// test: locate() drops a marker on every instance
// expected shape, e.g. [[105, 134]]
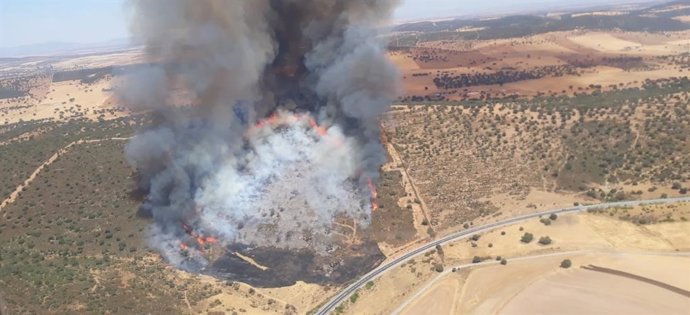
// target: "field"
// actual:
[[472, 279], [497, 118], [473, 161]]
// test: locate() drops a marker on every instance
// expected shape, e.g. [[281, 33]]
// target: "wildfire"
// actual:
[[201, 240], [270, 121], [321, 131], [291, 118]]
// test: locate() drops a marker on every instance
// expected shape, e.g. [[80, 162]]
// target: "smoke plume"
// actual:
[[265, 127]]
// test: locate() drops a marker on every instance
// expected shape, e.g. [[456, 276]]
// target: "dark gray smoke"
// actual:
[[220, 166]]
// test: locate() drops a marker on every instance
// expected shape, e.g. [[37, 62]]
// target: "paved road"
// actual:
[[344, 294]]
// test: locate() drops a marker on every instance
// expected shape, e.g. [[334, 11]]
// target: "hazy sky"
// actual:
[[25, 22]]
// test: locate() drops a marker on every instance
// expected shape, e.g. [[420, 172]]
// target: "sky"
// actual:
[[27, 22]]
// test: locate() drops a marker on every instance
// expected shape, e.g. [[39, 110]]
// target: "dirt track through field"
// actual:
[[660, 284], [13, 196]]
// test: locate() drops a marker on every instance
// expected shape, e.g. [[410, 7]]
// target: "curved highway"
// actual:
[[344, 294]]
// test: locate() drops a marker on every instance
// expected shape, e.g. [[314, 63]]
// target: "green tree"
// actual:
[[354, 297], [438, 267], [527, 237], [545, 240]]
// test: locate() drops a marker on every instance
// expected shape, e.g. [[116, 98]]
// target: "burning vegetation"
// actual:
[[281, 138]]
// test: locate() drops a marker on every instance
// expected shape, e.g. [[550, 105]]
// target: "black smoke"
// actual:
[[220, 66]]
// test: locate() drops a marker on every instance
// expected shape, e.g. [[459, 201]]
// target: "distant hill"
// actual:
[[658, 18], [62, 48]]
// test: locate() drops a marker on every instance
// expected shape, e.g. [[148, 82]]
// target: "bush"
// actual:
[[476, 259], [545, 240], [566, 263], [527, 237], [438, 267], [504, 261], [354, 297], [553, 217], [545, 221]]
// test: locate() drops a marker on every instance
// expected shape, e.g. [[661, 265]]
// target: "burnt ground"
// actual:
[[285, 267], [390, 224]]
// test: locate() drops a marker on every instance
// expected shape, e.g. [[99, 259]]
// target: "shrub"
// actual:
[[566, 263], [354, 297], [553, 217], [438, 267], [527, 237], [476, 259], [504, 261], [545, 240]]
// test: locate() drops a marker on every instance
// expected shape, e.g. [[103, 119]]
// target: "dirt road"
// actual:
[[13, 196]]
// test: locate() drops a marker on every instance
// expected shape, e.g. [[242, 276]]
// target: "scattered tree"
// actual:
[[527, 237], [438, 267], [545, 240]]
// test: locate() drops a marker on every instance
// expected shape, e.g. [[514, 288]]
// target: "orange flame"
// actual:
[[270, 121], [319, 130], [201, 240]]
